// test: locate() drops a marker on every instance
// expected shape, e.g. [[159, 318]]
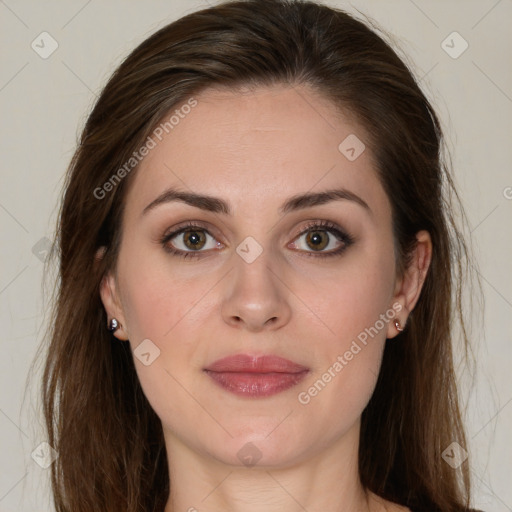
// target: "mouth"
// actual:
[[251, 376]]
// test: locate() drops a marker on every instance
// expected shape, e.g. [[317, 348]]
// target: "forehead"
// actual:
[[255, 148]]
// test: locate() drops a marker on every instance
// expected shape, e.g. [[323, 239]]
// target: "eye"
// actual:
[[189, 240], [325, 238], [316, 236]]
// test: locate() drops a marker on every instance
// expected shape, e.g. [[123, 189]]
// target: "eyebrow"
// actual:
[[294, 203]]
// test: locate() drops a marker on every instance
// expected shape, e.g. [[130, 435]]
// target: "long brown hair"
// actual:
[[109, 440]]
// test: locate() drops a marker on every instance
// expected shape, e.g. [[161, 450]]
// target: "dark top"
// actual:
[[424, 510]]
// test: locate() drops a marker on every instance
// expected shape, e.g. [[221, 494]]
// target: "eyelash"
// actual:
[[312, 226]]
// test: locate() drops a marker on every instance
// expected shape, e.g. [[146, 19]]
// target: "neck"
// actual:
[[325, 480]]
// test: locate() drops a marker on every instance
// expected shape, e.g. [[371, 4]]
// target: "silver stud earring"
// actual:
[[113, 325], [398, 327]]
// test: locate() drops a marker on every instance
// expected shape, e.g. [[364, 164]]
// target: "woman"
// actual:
[[257, 262]]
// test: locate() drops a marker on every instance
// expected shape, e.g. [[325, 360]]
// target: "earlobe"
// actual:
[[112, 305], [411, 283], [397, 325], [100, 253]]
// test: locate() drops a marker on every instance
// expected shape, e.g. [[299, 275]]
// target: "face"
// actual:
[[314, 283]]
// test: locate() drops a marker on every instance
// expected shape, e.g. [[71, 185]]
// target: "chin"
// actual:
[[258, 450]]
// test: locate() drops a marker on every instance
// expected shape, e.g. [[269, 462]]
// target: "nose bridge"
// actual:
[[256, 296]]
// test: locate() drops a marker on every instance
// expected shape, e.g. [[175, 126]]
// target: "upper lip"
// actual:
[[255, 364]]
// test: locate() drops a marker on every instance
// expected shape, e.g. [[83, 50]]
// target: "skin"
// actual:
[[255, 149]]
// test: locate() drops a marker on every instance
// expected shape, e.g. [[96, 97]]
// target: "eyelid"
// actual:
[[321, 224], [186, 225]]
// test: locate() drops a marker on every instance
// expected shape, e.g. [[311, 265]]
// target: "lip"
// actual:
[[255, 364], [256, 376]]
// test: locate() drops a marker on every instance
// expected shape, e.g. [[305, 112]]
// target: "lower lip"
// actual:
[[256, 384]]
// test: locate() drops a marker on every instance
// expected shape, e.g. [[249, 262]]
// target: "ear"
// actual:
[[111, 302], [408, 287]]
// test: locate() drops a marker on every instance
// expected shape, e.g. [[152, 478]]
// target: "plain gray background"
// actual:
[[45, 101]]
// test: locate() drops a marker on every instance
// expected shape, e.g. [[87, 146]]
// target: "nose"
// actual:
[[256, 296]]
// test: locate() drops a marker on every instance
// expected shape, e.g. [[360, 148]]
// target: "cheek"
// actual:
[[355, 308], [155, 296], [352, 297], [358, 333], [155, 306], [166, 309]]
